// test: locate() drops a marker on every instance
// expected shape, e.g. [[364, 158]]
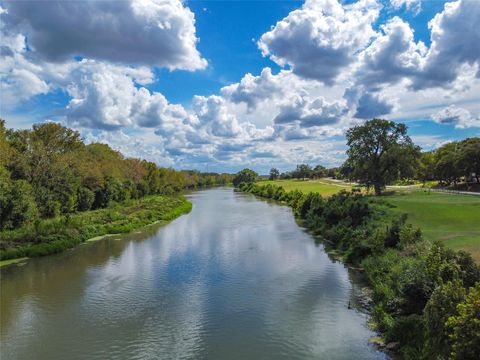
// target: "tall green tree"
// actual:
[[426, 167], [245, 176], [469, 157], [303, 171], [319, 171], [380, 152], [446, 163], [274, 174]]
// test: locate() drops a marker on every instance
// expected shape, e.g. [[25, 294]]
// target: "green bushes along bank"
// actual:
[[426, 297], [48, 236]]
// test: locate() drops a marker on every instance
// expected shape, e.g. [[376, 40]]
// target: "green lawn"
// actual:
[[323, 186], [454, 219]]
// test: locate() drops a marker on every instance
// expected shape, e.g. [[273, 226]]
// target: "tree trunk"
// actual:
[[378, 189]]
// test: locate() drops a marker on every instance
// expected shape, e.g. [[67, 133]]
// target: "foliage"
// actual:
[[274, 174], [48, 171], [48, 177], [457, 159], [17, 203], [379, 152], [416, 285], [465, 327], [48, 236], [441, 305], [245, 176]]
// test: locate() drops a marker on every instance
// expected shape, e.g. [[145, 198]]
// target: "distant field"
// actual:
[[452, 218], [323, 186]]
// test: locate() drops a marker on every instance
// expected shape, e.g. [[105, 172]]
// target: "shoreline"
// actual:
[[393, 257], [363, 301], [56, 246]]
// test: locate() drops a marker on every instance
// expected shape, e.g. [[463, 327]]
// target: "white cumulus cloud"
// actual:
[[457, 116], [322, 38], [135, 32]]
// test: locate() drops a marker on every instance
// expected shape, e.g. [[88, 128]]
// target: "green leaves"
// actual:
[[245, 176], [380, 152]]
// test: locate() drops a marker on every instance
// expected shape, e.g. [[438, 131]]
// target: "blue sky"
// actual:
[[221, 85]]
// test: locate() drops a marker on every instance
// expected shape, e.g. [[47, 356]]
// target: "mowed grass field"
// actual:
[[325, 187], [451, 218]]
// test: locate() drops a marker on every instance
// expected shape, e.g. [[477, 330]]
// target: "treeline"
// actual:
[[381, 153], [451, 163], [426, 297], [49, 171], [304, 171]]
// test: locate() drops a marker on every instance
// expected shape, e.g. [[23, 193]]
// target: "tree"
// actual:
[[319, 171], [469, 157], [441, 305], [303, 171], [274, 174], [446, 163], [380, 151], [245, 176], [17, 204], [465, 327], [426, 167]]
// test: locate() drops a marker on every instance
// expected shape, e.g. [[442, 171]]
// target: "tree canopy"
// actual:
[[379, 152], [48, 170], [244, 176]]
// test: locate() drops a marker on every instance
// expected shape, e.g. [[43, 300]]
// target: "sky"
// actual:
[[223, 85]]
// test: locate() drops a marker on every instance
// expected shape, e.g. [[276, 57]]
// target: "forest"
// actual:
[[48, 176]]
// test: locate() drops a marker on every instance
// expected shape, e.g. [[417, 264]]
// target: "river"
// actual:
[[236, 278]]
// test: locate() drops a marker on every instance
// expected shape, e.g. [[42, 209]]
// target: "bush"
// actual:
[[85, 199], [49, 236], [465, 327]]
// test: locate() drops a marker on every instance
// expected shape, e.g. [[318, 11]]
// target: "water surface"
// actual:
[[236, 278]]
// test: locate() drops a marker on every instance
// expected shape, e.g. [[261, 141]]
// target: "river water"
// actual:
[[236, 278]]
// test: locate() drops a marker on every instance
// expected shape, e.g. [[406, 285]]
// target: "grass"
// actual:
[[49, 236], [323, 186], [451, 218]]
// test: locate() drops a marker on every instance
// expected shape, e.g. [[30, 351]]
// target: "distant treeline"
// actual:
[[381, 153], [426, 297], [49, 171], [450, 164], [305, 171]]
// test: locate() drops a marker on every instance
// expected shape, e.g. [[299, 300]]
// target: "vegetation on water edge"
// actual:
[[48, 171], [49, 236], [56, 191], [426, 296], [449, 218]]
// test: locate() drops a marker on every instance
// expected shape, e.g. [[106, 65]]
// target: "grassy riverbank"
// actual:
[[48, 236], [449, 218], [420, 288], [324, 187]]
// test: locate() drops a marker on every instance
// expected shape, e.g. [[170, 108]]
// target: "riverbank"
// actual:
[[412, 279], [49, 236], [449, 217]]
